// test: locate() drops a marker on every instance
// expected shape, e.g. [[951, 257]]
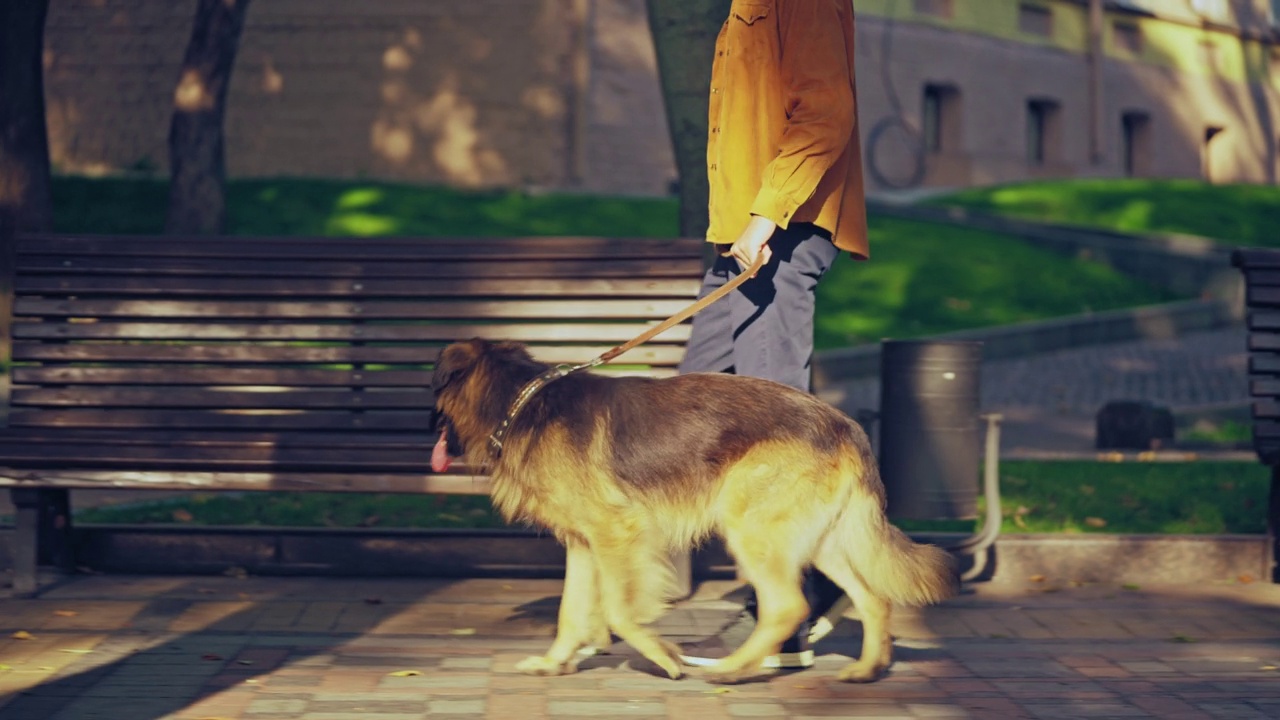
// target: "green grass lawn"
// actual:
[[1039, 497], [923, 279], [1234, 214]]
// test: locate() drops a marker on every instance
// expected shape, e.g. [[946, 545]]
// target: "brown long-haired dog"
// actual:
[[625, 470]]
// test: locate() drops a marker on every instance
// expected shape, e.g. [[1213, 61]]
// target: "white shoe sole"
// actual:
[[781, 661]]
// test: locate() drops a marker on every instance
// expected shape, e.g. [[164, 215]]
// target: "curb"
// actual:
[[172, 550]]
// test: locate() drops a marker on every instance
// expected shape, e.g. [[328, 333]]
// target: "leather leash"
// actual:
[[532, 387]]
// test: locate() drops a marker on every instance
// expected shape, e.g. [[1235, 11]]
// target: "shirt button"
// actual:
[[715, 130], [713, 166], [715, 90]]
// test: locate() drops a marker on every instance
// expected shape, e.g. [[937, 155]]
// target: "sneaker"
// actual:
[[794, 654], [827, 621]]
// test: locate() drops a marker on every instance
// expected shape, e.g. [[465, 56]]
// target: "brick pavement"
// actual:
[[325, 649]]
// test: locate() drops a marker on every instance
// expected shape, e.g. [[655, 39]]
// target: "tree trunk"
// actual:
[[24, 142], [684, 35], [197, 162]]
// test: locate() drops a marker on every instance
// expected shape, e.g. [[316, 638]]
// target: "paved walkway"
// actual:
[[130, 648], [1049, 401]]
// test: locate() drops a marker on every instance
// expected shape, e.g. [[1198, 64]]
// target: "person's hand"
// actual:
[[752, 242]]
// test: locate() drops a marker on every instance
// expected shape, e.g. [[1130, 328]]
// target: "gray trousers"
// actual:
[[764, 328]]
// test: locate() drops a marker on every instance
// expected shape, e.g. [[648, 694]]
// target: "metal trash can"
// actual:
[[929, 428]]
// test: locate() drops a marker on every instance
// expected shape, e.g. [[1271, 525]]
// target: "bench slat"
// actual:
[[238, 354], [334, 420], [1264, 387], [281, 481], [250, 457], [88, 396], [651, 309], [236, 268], [130, 286], [238, 247], [418, 440], [1261, 364], [233, 377], [442, 332]]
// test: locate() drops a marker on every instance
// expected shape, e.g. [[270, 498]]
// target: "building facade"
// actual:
[[564, 94]]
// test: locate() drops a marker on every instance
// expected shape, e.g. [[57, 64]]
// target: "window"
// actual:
[[1216, 10], [1035, 20], [1135, 143], [1128, 37], [1209, 53], [1207, 154], [941, 118], [1275, 12], [1043, 131], [937, 8]]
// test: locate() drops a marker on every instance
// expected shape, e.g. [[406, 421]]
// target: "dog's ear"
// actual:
[[511, 350], [455, 362]]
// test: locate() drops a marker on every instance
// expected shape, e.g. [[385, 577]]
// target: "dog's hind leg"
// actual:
[[877, 644], [581, 622], [776, 577]]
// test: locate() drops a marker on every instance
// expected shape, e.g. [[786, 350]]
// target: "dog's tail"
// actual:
[[890, 563]]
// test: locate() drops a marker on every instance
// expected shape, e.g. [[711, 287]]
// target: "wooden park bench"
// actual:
[[281, 363], [1261, 268]]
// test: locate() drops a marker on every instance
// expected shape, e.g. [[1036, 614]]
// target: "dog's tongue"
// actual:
[[440, 455]]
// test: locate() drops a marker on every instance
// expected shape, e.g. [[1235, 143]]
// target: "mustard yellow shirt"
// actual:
[[783, 131]]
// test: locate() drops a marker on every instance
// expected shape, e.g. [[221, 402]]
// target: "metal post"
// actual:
[[1273, 526]]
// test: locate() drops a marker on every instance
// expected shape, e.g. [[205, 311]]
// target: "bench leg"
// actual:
[[42, 535], [26, 530]]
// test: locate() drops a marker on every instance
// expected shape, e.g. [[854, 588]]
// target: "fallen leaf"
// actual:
[[1146, 456], [1269, 667], [183, 515], [65, 613], [506, 587], [405, 673], [211, 656], [23, 635], [1095, 522], [1131, 586], [1037, 578], [1245, 579], [719, 691], [75, 651], [463, 631], [5, 668]]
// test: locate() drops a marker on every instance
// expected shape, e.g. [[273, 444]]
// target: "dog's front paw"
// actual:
[[541, 665]]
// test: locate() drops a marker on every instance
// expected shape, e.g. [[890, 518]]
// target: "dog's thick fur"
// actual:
[[625, 470]]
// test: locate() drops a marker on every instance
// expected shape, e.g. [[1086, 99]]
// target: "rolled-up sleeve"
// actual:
[[820, 104]]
